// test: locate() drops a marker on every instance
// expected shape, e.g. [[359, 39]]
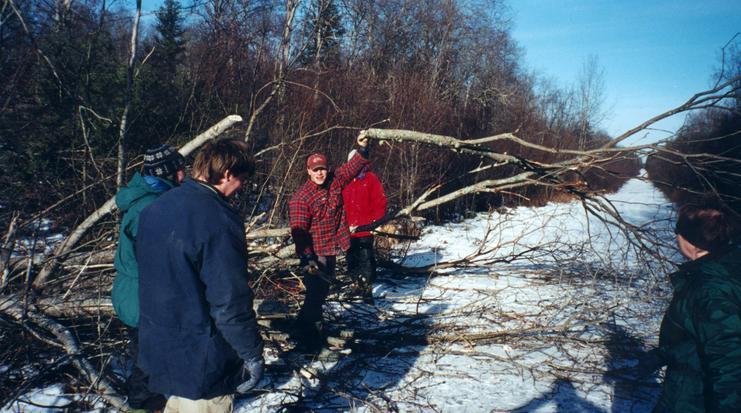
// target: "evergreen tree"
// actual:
[[169, 43], [158, 96]]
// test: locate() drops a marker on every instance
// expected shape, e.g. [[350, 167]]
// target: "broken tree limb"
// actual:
[[12, 307], [697, 101], [269, 233], [454, 144], [85, 306], [211, 133], [6, 251], [92, 306], [109, 206]]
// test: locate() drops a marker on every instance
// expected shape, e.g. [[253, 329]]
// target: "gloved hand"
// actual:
[[309, 264], [649, 362], [252, 371], [362, 140]]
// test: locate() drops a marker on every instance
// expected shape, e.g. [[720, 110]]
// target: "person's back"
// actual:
[[198, 330], [163, 168], [131, 200], [700, 337]]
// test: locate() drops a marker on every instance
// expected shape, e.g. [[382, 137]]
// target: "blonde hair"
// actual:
[[216, 157]]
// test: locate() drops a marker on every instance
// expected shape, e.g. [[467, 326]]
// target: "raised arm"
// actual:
[[345, 173]]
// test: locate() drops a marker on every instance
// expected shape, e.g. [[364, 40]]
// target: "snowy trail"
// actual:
[[560, 336], [556, 330]]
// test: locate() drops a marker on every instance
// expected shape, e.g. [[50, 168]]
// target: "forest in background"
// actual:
[[304, 75], [86, 86]]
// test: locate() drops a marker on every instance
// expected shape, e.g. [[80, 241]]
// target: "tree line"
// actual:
[[457, 124], [84, 94]]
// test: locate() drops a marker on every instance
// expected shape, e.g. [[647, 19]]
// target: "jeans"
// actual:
[[317, 289], [136, 384]]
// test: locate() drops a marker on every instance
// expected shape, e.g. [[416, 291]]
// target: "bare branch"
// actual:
[[109, 206]]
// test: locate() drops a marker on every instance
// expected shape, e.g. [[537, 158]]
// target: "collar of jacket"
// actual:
[[157, 183], [210, 187], [690, 268]]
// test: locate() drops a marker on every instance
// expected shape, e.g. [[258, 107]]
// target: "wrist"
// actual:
[[364, 152]]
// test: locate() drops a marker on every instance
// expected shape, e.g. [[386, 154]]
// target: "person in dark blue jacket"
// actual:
[[198, 335], [163, 169]]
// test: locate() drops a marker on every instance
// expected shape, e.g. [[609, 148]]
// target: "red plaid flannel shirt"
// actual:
[[318, 223]]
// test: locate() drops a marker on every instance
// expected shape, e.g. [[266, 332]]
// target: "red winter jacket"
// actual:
[[365, 201]]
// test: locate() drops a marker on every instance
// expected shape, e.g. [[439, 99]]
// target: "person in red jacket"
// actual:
[[319, 231], [365, 203]]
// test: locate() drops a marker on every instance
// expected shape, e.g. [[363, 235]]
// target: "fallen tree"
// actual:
[[83, 273]]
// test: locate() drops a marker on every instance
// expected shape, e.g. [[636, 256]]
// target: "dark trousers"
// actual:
[[317, 289], [136, 384], [361, 260]]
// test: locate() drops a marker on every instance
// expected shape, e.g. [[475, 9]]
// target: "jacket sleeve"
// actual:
[[349, 170], [717, 322], [227, 290], [300, 221]]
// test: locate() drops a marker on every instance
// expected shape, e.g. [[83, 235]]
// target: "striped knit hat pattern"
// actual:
[[162, 161]]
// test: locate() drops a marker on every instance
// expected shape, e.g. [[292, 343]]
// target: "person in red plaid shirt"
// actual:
[[319, 230]]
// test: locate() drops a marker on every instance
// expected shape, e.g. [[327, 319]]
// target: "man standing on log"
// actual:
[[164, 168], [198, 334], [319, 230]]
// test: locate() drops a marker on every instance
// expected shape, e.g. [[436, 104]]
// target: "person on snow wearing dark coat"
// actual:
[[700, 338], [319, 231], [365, 202], [163, 169], [198, 335]]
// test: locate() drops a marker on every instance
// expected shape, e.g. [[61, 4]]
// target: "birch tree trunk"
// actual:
[[121, 170], [66, 246]]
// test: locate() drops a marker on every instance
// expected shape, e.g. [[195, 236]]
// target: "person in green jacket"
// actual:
[[700, 338], [163, 168]]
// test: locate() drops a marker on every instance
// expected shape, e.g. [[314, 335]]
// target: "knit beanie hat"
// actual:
[[162, 161]]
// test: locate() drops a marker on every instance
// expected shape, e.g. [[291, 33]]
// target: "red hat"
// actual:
[[316, 160]]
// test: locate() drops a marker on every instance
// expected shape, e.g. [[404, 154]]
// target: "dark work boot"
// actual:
[[309, 337], [365, 290]]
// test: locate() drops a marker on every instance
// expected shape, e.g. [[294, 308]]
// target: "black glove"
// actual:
[[251, 374], [309, 264]]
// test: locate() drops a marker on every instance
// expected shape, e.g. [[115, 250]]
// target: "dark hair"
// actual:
[[216, 157], [706, 226]]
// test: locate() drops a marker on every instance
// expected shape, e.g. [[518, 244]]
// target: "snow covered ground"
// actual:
[[548, 309], [553, 312]]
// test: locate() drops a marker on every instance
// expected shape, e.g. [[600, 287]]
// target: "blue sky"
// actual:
[[655, 54]]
